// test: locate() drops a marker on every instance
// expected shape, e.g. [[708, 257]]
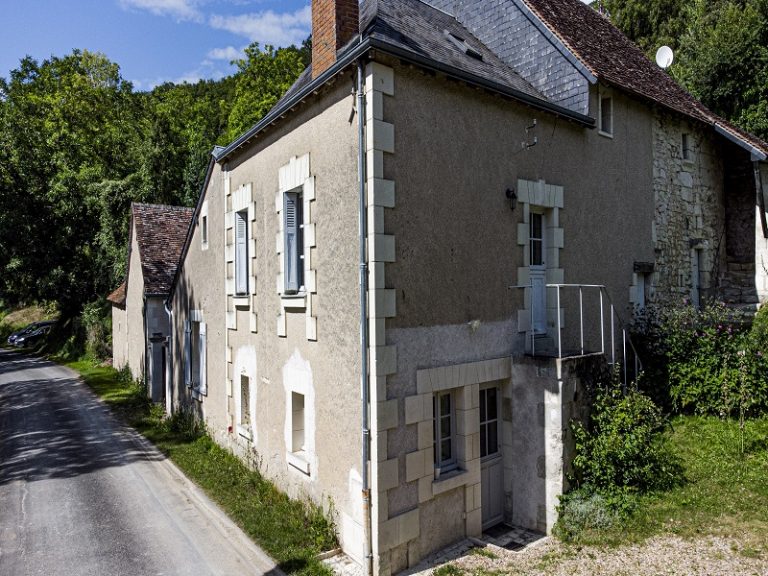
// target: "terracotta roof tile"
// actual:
[[615, 59], [160, 233], [117, 296]]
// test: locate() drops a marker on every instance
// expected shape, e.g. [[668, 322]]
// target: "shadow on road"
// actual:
[[55, 427]]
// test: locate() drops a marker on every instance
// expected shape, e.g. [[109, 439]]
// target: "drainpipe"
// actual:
[[169, 362], [362, 169], [760, 197]]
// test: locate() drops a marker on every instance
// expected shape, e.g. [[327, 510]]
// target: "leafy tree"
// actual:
[[263, 77], [649, 23]]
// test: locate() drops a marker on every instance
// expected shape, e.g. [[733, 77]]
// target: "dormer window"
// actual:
[[462, 45], [606, 116]]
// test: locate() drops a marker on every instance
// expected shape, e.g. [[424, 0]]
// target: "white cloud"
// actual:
[[179, 9], [229, 53], [268, 27]]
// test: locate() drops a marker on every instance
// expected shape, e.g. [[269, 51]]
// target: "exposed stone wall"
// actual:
[[689, 210], [508, 29]]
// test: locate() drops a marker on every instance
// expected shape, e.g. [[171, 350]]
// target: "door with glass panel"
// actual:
[[491, 465]]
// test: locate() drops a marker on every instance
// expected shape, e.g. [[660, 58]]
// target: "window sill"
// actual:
[[294, 301], [241, 301], [298, 461], [197, 394], [450, 480], [605, 134], [244, 433]]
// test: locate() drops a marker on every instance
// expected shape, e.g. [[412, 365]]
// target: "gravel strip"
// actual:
[[659, 556]]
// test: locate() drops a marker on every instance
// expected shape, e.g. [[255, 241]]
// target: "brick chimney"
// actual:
[[334, 23]]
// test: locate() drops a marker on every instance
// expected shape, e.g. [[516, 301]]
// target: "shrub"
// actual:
[[707, 361], [589, 509], [624, 447]]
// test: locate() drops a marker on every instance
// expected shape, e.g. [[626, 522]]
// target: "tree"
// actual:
[[263, 77]]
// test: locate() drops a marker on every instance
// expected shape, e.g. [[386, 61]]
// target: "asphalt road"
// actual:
[[82, 495]]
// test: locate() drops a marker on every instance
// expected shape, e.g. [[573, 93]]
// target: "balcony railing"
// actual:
[[614, 340]]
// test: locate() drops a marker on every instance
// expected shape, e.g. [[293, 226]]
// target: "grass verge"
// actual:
[[290, 531], [725, 491]]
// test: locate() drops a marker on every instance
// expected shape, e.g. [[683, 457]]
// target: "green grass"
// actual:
[[725, 490], [292, 532]]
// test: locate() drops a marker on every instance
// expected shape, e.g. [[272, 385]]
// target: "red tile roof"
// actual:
[[615, 59], [160, 233], [117, 297]]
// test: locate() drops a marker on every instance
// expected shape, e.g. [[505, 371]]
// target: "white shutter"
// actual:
[[241, 253], [291, 231], [203, 372], [188, 353]]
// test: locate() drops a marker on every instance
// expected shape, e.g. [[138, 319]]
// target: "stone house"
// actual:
[[140, 324], [396, 286]]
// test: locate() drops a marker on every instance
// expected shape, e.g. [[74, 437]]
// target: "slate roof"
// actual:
[[612, 57], [160, 233], [117, 296]]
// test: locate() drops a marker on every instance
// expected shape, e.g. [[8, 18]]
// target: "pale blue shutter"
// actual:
[[202, 351], [241, 252], [291, 231], [187, 353]]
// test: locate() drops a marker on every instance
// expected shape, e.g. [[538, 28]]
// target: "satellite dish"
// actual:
[[664, 57]]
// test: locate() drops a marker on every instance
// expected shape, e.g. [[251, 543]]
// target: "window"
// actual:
[[241, 253], [686, 147], [641, 288], [444, 432], [245, 402], [489, 422], [298, 443], [293, 241], [204, 229], [195, 372], [606, 115], [536, 239]]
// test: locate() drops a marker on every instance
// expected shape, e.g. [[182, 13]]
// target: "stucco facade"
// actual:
[[498, 233]]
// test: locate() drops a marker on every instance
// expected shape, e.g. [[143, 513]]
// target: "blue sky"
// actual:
[[153, 41]]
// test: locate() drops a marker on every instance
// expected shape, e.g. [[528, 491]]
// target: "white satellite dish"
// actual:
[[664, 57]]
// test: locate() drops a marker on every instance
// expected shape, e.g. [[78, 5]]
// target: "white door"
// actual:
[[491, 465], [538, 273]]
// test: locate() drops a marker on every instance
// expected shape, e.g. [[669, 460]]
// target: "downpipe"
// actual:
[[364, 376], [169, 362]]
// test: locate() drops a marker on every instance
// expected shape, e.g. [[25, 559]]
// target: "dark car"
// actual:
[[38, 329]]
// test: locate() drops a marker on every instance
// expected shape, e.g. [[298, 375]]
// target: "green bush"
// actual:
[[624, 447], [708, 361]]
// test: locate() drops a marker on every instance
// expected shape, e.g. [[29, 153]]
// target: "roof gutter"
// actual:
[[356, 51], [757, 155]]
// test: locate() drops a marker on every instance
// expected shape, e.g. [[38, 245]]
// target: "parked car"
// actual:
[[38, 329]]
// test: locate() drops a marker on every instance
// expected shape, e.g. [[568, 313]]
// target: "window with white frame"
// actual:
[[204, 226], [195, 371], [489, 422], [444, 431], [606, 116], [298, 436], [293, 241], [241, 253]]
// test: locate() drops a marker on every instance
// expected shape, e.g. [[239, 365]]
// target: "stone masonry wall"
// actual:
[[689, 210]]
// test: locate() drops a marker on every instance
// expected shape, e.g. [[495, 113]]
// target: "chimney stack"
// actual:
[[334, 23]]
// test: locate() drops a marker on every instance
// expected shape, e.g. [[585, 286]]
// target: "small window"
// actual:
[[489, 422], [298, 441], [241, 253], [444, 432], [293, 242], [245, 401], [642, 283], [204, 230], [686, 147], [606, 115]]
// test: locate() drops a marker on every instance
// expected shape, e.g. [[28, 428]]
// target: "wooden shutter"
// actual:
[[241, 253], [202, 351], [188, 353], [291, 231]]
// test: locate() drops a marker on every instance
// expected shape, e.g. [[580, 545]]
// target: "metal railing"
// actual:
[[626, 349]]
